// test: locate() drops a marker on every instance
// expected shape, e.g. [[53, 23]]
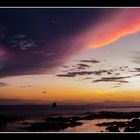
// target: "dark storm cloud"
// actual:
[[26, 57], [21, 42], [43, 53], [37, 41], [113, 79]]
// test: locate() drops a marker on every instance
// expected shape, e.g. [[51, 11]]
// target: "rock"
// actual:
[[58, 119], [25, 123], [76, 118], [74, 123], [53, 124], [131, 129], [4, 120], [54, 105], [135, 122], [49, 126], [113, 129], [119, 124]]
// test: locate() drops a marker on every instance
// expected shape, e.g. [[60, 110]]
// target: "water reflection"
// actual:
[[90, 126]]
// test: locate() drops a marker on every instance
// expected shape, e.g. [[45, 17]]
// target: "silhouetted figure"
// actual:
[[54, 105]]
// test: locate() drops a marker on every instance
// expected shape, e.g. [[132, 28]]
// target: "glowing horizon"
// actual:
[[82, 55]]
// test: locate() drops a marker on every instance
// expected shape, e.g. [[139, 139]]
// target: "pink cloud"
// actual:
[[124, 22]]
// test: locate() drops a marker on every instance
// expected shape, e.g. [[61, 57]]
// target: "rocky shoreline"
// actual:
[[60, 122]]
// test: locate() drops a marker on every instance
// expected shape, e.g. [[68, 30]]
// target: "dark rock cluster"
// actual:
[[112, 115], [129, 126], [4, 120], [54, 124]]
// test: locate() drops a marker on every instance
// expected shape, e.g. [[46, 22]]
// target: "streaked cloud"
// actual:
[[90, 61], [3, 84], [113, 79]]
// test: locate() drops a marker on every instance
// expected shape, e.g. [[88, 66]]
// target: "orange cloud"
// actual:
[[124, 22]]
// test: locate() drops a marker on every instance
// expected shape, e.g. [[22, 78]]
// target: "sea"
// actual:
[[36, 113]]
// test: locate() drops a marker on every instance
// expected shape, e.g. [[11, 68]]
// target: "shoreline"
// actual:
[[107, 121]]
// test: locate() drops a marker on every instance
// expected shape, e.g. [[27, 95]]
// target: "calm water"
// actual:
[[35, 114], [90, 126], [43, 111]]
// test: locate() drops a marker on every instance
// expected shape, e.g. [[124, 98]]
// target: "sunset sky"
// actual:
[[69, 54]]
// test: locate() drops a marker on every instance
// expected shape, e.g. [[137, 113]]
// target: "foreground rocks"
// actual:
[[114, 123], [113, 129], [59, 123], [4, 120], [129, 126], [53, 124], [111, 115]]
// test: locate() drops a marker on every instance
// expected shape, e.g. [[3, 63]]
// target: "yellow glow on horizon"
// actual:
[[69, 94]]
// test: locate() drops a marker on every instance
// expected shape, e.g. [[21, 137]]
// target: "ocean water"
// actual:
[[43, 111], [37, 113], [90, 126]]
